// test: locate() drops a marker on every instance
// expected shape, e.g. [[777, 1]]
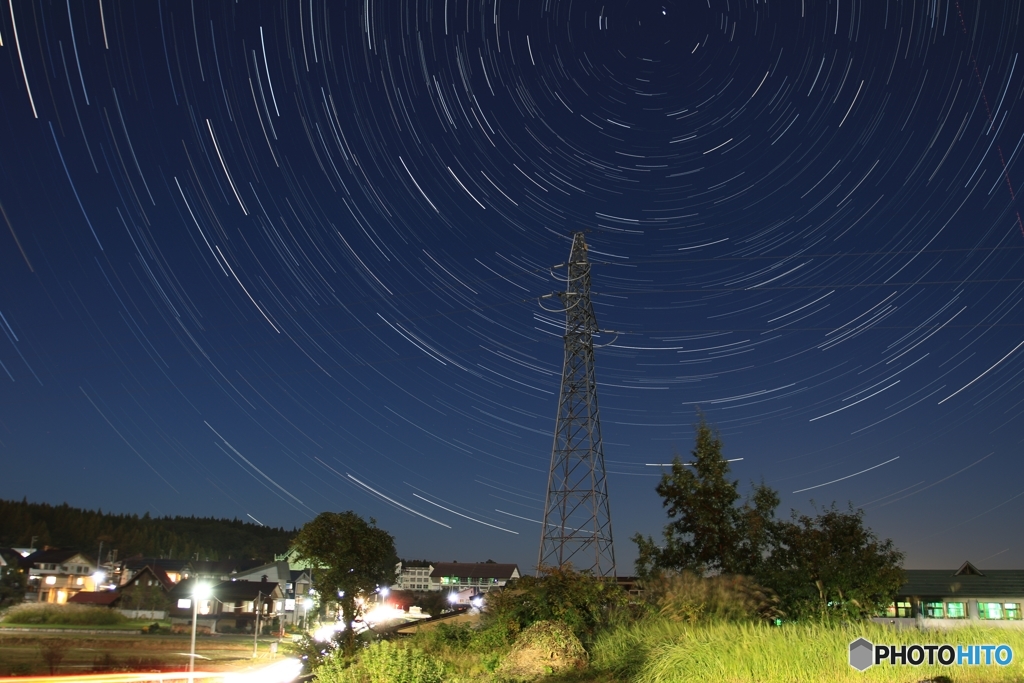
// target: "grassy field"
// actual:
[[126, 626], [21, 653], [663, 651]]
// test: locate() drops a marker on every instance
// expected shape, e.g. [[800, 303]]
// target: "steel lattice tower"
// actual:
[[577, 524]]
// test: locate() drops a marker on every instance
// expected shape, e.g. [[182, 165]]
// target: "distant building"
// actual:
[[55, 575], [294, 585], [453, 577], [481, 576], [943, 598], [230, 606], [413, 576], [129, 567]]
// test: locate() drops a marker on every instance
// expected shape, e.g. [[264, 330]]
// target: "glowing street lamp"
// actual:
[[306, 604], [97, 579], [200, 591]]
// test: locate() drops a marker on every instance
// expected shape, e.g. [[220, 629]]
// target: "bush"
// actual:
[[383, 662], [63, 615], [313, 653], [584, 603], [686, 597], [453, 636], [546, 647]]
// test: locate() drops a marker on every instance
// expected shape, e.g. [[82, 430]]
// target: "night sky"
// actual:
[[266, 259]]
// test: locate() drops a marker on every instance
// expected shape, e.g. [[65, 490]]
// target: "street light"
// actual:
[[306, 604], [200, 591]]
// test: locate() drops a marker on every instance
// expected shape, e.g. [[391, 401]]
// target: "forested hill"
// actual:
[[171, 537]]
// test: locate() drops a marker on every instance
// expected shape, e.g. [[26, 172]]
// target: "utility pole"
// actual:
[[256, 631], [577, 524]]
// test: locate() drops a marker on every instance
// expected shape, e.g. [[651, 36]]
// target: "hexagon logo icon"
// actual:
[[861, 651]]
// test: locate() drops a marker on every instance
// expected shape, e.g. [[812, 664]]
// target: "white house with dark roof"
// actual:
[[453, 577], [294, 585], [54, 575], [943, 598], [479, 576]]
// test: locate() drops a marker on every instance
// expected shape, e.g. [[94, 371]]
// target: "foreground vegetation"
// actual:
[[46, 614], [660, 649]]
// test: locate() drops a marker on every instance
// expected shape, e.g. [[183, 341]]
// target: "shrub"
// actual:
[[313, 653], [546, 647], [453, 636], [584, 603], [63, 615], [52, 651], [686, 597], [383, 662]]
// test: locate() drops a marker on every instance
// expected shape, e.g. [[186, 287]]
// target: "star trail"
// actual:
[[264, 259]]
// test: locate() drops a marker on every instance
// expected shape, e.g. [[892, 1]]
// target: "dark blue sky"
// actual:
[[270, 259]]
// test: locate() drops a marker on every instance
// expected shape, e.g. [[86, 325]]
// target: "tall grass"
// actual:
[[383, 662], [664, 651], [63, 615]]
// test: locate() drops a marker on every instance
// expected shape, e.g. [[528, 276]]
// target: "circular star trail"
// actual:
[[269, 259]]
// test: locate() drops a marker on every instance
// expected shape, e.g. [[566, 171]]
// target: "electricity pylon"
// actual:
[[577, 524]]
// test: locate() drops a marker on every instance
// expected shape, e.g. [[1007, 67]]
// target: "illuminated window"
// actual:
[[934, 610], [990, 610], [1011, 610], [50, 580], [955, 610], [903, 609], [79, 581]]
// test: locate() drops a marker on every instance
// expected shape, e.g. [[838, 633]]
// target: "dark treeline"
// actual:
[[169, 537]]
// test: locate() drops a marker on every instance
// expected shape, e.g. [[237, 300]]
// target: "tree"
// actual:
[[832, 567], [708, 533], [349, 557], [139, 597], [823, 567], [13, 584]]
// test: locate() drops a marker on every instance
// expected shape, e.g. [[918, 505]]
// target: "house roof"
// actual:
[[138, 562], [104, 598], [231, 591], [966, 582], [156, 572], [474, 570], [235, 591], [51, 556], [280, 568]]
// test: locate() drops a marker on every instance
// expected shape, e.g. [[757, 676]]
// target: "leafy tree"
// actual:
[[822, 567], [139, 597], [832, 567], [349, 557], [13, 584], [708, 532]]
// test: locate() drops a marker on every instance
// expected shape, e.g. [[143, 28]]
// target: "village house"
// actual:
[[945, 598], [56, 575], [229, 606], [294, 585]]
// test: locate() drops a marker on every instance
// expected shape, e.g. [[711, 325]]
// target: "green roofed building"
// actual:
[[943, 598]]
